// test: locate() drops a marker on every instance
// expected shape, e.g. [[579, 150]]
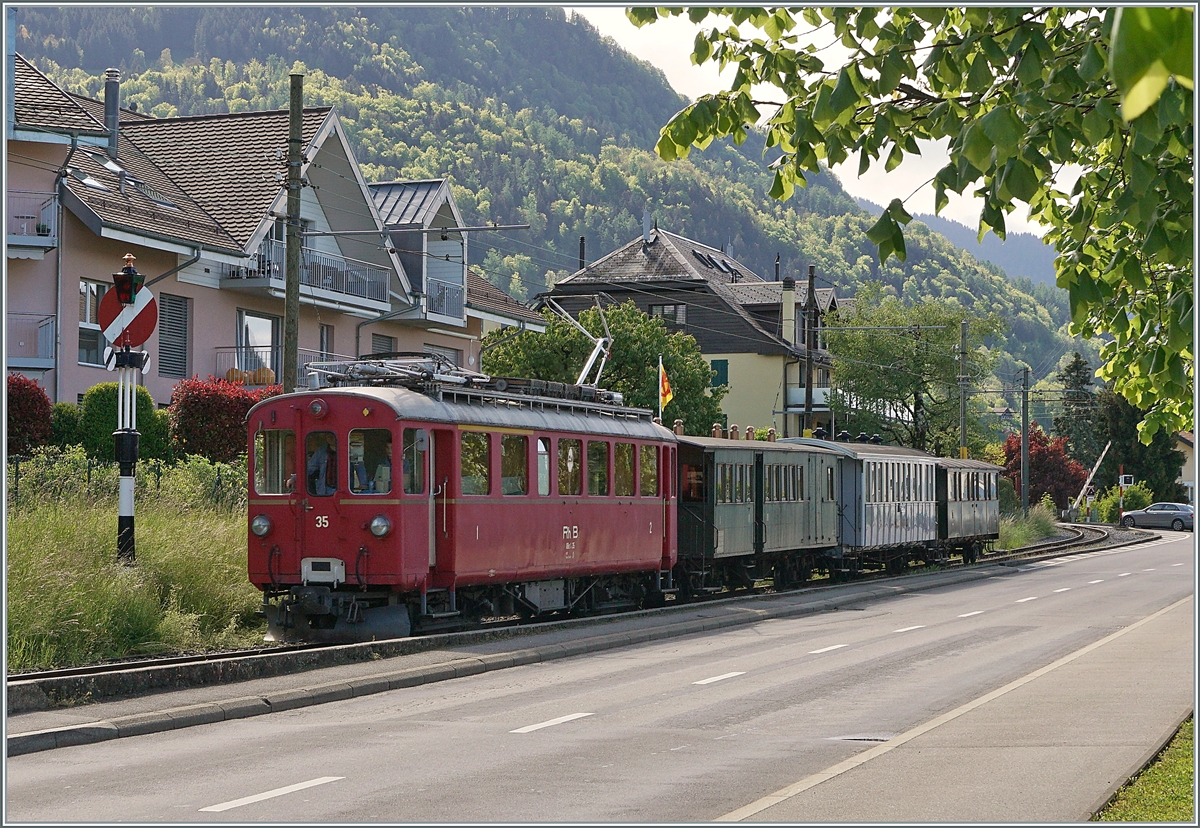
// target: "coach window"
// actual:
[[476, 463], [320, 468], [543, 465], [570, 467], [370, 453], [623, 469], [275, 461], [597, 462], [649, 471], [830, 493], [514, 464], [416, 443]]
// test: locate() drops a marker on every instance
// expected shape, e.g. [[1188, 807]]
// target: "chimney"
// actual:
[[717, 430], [733, 432], [749, 432], [678, 429], [112, 109], [581, 265], [770, 435], [645, 227], [789, 310]]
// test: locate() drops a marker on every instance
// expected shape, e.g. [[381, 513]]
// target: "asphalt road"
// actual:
[[782, 720]]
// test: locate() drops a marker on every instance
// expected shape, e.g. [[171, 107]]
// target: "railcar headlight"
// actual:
[[260, 525], [380, 526]]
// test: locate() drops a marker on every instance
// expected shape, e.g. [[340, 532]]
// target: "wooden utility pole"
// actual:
[[963, 378], [810, 348], [1025, 442], [291, 295]]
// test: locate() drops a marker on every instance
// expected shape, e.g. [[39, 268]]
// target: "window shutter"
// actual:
[[381, 344], [172, 336]]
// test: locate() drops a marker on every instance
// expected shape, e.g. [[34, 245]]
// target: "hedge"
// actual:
[[208, 416], [29, 415], [98, 421]]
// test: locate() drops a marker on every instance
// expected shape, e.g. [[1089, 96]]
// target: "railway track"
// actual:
[[1081, 538]]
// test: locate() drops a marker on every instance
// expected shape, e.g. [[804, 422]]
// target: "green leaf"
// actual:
[[1149, 45], [1004, 130], [665, 148], [896, 211], [980, 77], [1093, 63], [891, 72], [1020, 180], [1029, 70], [844, 94], [701, 49], [894, 158], [977, 148], [781, 186], [864, 161], [1095, 126], [883, 229]]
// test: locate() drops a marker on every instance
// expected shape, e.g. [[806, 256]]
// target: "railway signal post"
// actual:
[[128, 319]]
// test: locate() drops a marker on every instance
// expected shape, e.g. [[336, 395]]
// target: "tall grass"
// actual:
[[1021, 530], [70, 602]]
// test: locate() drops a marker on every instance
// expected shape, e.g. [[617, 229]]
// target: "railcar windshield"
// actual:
[[274, 461], [320, 468], [370, 452]]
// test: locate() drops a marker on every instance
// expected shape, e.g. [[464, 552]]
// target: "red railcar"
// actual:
[[376, 508]]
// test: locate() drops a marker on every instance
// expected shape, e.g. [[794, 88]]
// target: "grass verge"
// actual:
[[71, 603], [1164, 791], [1021, 530]]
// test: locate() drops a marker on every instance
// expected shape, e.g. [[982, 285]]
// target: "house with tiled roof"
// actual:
[[751, 330], [1185, 443]]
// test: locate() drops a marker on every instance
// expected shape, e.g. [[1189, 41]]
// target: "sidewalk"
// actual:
[[1052, 746]]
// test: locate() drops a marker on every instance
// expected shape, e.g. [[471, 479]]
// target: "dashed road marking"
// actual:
[[826, 649], [969, 614], [1151, 569], [1123, 574], [906, 629], [1097, 581], [719, 678], [551, 723], [1064, 589], [247, 800], [1178, 564], [1030, 598]]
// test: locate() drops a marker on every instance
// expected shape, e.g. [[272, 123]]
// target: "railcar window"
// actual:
[[275, 461], [476, 463], [737, 483], [693, 483], [623, 469], [370, 452], [769, 484], [514, 464], [829, 480], [649, 476], [320, 468], [416, 443], [570, 467], [543, 468], [597, 461]]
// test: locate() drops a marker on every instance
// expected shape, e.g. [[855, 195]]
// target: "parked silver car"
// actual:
[[1177, 516]]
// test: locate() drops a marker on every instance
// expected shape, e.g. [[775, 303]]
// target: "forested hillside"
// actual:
[[535, 119]]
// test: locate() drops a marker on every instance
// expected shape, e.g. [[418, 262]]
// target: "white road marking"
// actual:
[[853, 762], [1123, 574], [1030, 598], [1151, 569], [969, 614], [1064, 589], [1097, 582], [906, 629], [719, 678], [246, 800], [551, 723], [1179, 564], [826, 649]]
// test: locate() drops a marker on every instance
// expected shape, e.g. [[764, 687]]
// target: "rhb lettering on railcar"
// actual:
[[570, 532]]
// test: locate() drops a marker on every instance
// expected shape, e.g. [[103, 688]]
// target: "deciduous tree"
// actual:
[[1050, 469], [1019, 94]]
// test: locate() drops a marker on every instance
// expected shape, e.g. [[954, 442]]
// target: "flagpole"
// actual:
[[660, 374]]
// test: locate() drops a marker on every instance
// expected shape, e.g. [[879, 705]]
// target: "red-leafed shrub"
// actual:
[[208, 416], [1051, 471], [29, 415]]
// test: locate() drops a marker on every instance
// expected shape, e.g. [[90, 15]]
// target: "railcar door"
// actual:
[[444, 479], [317, 514]]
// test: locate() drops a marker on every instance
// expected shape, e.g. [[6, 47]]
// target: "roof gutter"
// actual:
[[175, 269]]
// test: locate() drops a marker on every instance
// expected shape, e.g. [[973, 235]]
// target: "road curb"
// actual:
[[1146, 761], [241, 707]]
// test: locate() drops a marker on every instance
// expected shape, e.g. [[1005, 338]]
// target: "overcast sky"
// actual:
[[667, 44]]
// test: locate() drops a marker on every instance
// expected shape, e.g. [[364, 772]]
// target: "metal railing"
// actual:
[[445, 298], [258, 365], [32, 215], [30, 335], [317, 270]]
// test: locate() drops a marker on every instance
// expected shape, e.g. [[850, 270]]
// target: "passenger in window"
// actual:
[[382, 481], [321, 469]]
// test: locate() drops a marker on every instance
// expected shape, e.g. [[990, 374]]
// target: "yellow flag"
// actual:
[[664, 388]]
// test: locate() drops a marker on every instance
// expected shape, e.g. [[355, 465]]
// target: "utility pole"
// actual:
[[1025, 442], [963, 378], [291, 295], [810, 347]]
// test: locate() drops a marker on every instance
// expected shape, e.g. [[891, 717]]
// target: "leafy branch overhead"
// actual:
[[1024, 98]]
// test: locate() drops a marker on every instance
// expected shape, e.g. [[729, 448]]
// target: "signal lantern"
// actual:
[[128, 281]]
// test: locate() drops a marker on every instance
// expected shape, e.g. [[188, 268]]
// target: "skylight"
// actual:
[[86, 179]]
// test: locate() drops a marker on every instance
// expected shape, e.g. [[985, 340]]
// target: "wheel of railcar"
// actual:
[[683, 582], [781, 574], [895, 566]]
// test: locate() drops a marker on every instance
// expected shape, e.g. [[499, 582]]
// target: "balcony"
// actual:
[[325, 279], [259, 365], [796, 396], [444, 298], [32, 223], [30, 341]]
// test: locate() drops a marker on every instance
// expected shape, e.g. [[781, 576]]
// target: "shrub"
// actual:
[[208, 417], [98, 421], [29, 415], [64, 424], [1137, 496]]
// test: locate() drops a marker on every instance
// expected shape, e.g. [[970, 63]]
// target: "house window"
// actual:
[[91, 339], [671, 314], [326, 346], [173, 336], [720, 372], [258, 348], [454, 356], [381, 344]]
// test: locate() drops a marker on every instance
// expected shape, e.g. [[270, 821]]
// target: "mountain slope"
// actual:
[[534, 118]]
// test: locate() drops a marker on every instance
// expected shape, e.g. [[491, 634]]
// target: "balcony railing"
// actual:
[[258, 365], [796, 396], [32, 218], [30, 340], [324, 271], [445, 298]]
